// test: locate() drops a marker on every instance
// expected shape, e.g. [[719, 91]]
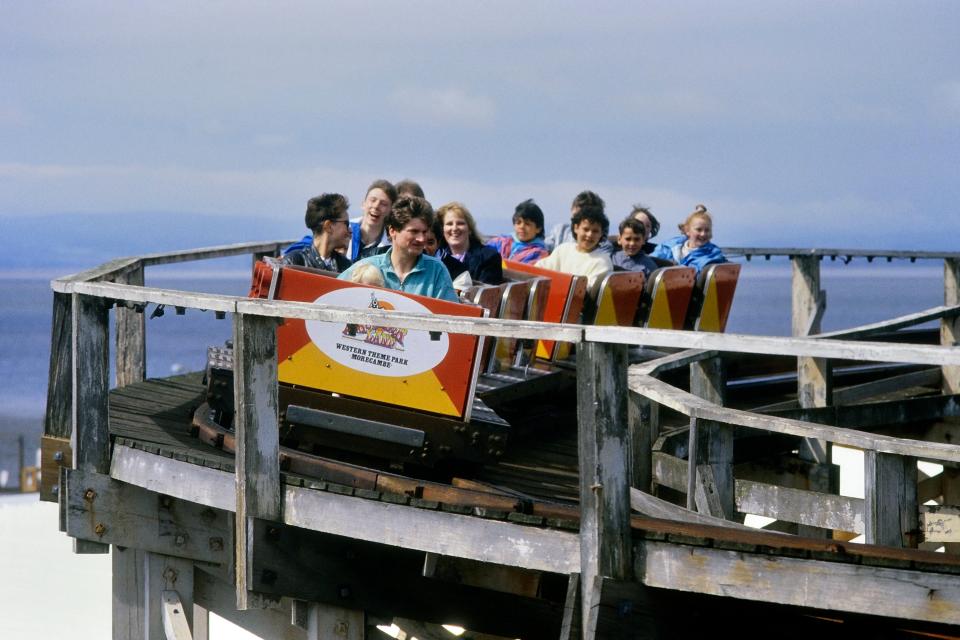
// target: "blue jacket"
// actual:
[[356, 245], [698, 258]]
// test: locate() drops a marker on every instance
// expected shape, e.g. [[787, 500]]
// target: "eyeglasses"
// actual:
[[345, 221]]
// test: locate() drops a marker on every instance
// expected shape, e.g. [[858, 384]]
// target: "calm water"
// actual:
[[856, 294]]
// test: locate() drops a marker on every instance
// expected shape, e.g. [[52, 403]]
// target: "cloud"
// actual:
[[443, 106]]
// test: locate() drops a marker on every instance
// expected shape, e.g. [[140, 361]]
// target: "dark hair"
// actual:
[[530, 211], [592, 213], [328, 206], [587, 199], [405, 209], [634, 225], [654, 223], [387, 188], [409, 188]]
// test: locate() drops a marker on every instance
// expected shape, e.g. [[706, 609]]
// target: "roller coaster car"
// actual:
[[404, 395]]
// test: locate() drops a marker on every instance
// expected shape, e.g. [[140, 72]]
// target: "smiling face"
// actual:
[[699, 232], [376, 206], [588, 234], [456, 232], [525, 230], [632, 242], [410, 240], [430, 243]]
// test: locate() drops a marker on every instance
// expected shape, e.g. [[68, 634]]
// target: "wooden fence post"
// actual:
[[711, 453], [605, 541], [258, 438], [950, 327], [58, 417], [90, 440], [643, 425], [131, 345], [891, 514], [814, 378]]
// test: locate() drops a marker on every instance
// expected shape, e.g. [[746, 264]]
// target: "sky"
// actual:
[[821, 124]]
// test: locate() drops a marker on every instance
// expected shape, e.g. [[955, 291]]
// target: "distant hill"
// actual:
[[85, 240]]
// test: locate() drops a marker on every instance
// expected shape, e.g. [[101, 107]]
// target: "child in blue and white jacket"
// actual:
[[693, 248]]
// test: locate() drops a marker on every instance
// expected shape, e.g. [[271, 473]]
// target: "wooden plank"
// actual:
[[693, 406], [890, 495], [55, 453], [144, 295], [604, 474], [139, 580], [802, 507], [90, 438], [58, 421], [870, 590], [950, 327], [643, 431], [654, 507], [945, 311], [433, 531], [203, 485], [860, 392], [105, 510], [714, 443], [257, 435], [131, 345]]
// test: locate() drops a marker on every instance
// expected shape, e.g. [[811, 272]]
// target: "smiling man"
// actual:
[[366, 232], [405, 266], [584, 256]]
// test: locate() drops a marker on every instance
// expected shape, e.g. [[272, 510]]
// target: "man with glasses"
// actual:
[[327, 218]]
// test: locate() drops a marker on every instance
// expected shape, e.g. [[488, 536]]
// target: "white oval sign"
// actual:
[[383, 351]]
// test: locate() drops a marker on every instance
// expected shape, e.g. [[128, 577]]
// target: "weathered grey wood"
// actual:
[[326, 621], [950, 327], [940, 524], [220, 598], [802, 507], [257, 428], [693, 406], [603, 454], [654, 507], [860, 392], [950, 486], [643, 425], [714, 444], [143, 295], [693, 441], [104, 510], [90, 439], [890, 497], [179, 479], [58, 421], [129, 607], [571, 625], [905, 594], [432, 531], [672, 361], [893, 324], [139, 579], [131, 343], [219, 251], [201, 617]]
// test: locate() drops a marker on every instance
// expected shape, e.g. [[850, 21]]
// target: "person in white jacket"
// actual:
[[584, 256]]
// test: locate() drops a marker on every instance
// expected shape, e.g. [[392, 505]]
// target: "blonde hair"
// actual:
[[367, 274], [699, 211], [460, 210]]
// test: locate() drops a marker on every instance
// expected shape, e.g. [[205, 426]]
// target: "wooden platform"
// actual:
[[680, 565]]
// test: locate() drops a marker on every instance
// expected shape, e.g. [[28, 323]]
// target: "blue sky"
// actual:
[[830, 124]]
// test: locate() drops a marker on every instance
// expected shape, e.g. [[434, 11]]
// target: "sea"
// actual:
[[857, 293]]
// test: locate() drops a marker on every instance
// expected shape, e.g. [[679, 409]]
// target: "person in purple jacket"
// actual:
[[526, 243]]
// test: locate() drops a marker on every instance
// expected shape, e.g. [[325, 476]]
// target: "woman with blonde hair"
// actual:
[[693, 247], [462, 241]]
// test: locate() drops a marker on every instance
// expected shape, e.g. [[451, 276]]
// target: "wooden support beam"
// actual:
[[101, 509], [258, 438], [604, 481], [712, 454], [325, 622], [950, 327], [803, 582], [131, 343], [90, 439], [643, 417], [58, 418], [890, 497], [139, 580], [950, 484]]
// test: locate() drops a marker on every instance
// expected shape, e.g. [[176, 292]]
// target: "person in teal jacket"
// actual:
[[693, 248], [404, 266]]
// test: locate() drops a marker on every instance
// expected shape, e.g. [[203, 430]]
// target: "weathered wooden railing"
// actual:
[[614, 441]]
